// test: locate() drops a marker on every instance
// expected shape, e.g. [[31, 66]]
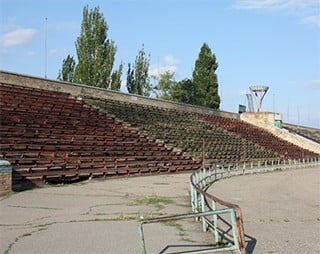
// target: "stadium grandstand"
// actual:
[[53, 132]]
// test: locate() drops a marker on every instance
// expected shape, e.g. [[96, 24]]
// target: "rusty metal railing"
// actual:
[[202, 215], [202, 201], [209, 209]]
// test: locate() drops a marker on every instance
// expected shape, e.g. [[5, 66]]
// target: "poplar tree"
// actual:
[[67, 71], [116, 79], [138, 81], [95, 53], [132, 88], [205, 79]]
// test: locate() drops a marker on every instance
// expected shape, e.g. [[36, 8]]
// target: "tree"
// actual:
[[138, 81], [67, 71], [165, 84], [130, 80], [95, 52], [183, 91], [116, 79], [205, 79]]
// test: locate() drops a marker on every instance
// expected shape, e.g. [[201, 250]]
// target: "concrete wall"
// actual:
[[263, 120], [81, 90], [5, 177], [266, 120]]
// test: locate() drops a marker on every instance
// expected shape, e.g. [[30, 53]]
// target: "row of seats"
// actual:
[[53, 137], [308, 133], [260, 136], [185, 130]]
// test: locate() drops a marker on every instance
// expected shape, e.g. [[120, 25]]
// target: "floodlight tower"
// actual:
[[250, 102], [259, 92]]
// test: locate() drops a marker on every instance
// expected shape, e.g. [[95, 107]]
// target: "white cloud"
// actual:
[[169, 63], [156, 70], [276, 4], [312, 20], [19, 36], [313, 84], [307, 10]]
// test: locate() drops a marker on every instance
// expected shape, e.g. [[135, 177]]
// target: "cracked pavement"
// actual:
[[98, 216]]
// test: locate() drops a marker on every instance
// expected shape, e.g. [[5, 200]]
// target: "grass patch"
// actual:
[[158, 201]]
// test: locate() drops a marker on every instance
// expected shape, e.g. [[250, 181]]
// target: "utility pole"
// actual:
[[45, 48]]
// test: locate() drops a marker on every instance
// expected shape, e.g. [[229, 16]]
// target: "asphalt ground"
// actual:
[[281, 209], [100, 217], [281, 214]]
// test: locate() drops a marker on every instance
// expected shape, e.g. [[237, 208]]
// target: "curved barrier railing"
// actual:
[[201, 201], [224, 219]]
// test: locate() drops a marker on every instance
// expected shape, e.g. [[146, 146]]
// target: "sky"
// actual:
[[256, 42]]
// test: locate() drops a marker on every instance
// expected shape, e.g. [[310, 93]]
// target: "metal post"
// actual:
[[235, 232], [215, 222], [192, 196], [144, 251], [203, 209], [203, 152]]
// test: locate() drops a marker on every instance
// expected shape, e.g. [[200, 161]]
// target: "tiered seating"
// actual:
[[51, 136], [184, 130], [260, 136], [308, 133]]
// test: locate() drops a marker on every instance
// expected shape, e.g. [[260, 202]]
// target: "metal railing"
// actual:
[[228, 231], [202, 201]]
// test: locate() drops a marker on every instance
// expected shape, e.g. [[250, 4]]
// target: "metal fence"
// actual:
[[224, 219]]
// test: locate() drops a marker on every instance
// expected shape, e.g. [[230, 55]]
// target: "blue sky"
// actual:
[[272, 42]]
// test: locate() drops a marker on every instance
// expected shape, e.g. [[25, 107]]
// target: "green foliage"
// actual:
[[164, 86], [202, 89], [116, 79], [183, 91], [95, 53], [130, 80], [138, 81], [205, 79], [67, 71]]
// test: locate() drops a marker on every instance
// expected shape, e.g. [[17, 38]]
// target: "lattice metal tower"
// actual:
[[258, 93]]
